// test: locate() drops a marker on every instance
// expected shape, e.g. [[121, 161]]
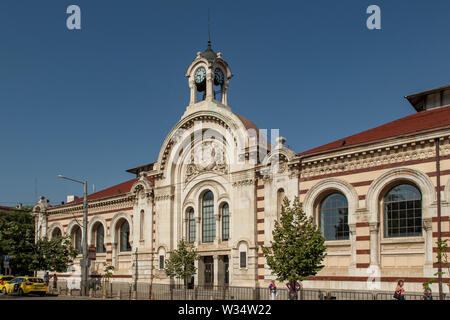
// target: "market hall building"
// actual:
[[218, 184]]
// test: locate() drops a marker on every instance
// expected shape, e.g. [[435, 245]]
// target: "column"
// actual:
[[198, 230], [216, 270], [217, 238], [209, 84], [196, 276], [352, 229], [428, 228], [373, 227], [193, 92]]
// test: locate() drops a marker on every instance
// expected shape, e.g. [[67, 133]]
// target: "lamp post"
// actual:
[[84, 260]]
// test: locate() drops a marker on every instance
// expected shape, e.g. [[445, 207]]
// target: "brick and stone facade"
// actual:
[[212, 149]]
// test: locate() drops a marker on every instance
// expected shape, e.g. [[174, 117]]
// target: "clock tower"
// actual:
[[208, 77]]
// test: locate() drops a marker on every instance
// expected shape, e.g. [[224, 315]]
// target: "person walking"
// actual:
[[46, 278], [55, 282], [272, 290], [294, 286], [399, 293], [427, 294]]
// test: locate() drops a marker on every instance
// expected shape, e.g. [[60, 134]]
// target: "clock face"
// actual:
[[200, 75], [218, 76]]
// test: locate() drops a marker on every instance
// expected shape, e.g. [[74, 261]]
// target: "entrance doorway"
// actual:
[[209, 270]]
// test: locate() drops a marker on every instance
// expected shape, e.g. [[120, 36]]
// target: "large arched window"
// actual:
[[403, 212], [76, 238], [280, 199], [56, 233], [225, 222], [125, 237], [333, 215], [100, 239], [208, 221], [191, 225]]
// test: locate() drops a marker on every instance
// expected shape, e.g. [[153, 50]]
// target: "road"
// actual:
[[36, 297]]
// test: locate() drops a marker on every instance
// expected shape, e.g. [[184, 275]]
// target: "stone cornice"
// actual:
[[376, 156], [102, 203]]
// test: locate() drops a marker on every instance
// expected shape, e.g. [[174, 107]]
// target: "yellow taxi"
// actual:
[[3, 281], [26, 285]]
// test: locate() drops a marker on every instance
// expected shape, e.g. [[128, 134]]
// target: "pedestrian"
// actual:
[[272, 290], [399, 293], [55, 282], [294, 286], [46, 278], [427, 294]]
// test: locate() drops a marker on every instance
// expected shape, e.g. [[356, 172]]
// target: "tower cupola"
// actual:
[[208, 77]]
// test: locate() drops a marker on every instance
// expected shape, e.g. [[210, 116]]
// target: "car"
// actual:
[[26, 285], [3, 281]]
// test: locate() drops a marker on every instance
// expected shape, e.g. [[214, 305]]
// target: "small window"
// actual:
[[141, 226], [100, 239], [125, 237], [225, 222], [161, 262], [191, 231], [243, 259]]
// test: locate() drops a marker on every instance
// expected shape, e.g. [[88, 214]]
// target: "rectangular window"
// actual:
[[191, 227], [225, 222], [161, 262], [243, 259], [208, 221]]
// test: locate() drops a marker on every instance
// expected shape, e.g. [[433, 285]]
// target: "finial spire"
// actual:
[[209, 29]]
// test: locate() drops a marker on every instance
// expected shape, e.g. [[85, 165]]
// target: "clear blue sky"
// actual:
[[92, 103]]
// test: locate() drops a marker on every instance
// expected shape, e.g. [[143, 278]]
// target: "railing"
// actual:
[[146, 291]]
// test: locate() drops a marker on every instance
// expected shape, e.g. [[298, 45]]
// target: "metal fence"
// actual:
[[146, 291]]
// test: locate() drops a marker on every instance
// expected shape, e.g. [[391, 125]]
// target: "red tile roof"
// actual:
[[120, 188], [419, 122]]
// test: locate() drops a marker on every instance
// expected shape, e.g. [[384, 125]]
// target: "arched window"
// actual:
[[76, 238], [403, 212], [280, 199], [56, 233], [208, 221], [334, 217], [125, 237], [100, 239], [141, 226], [225, 222], [191, 225]]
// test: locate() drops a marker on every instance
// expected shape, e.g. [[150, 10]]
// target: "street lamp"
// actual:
[[84, 260]]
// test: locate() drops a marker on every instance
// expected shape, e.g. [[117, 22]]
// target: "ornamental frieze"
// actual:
[[389, 155], [209, 157]]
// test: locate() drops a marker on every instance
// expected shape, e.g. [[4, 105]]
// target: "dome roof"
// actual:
[[209, 54]]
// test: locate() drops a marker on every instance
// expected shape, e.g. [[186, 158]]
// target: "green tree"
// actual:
[[180, 265], [54, 255], [17, 240], [298, 247]]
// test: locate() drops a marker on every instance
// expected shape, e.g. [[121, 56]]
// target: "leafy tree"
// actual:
[[298, 247], [17, 240], [54, 255], [180, 265]]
